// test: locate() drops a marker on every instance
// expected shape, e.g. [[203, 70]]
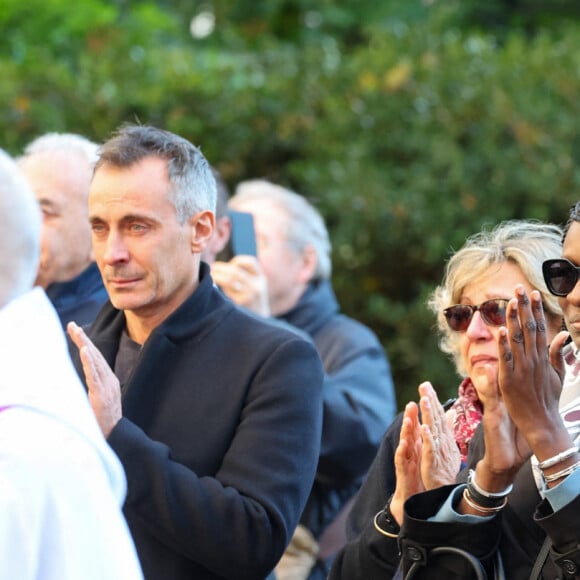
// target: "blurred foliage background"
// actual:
[[411, 124]]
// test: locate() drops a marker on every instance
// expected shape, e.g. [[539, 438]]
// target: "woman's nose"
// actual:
[[477, 327]]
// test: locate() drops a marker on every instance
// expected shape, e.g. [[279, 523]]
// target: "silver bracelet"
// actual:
[[557, 458], [471, 502], [563, 473], [488, 494]]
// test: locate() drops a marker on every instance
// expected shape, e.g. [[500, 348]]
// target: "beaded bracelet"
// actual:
[[563, 473], [557, 458]]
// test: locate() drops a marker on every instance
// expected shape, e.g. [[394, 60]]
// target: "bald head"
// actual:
[[20, 223]]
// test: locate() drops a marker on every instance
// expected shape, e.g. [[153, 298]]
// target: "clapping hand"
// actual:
[[521, 417], [440, 459], [530, 373], [427, 455], [103, 385]]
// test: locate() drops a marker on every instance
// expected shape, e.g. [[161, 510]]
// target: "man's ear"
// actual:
[[309, 264], [202, 225]]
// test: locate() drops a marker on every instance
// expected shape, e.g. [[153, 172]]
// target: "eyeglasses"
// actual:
[[560, 276], [492, 312]]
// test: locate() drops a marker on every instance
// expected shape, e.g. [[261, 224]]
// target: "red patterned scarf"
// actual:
[[464, 416]]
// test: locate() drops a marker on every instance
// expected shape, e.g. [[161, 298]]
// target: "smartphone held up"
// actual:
[[243, 238]]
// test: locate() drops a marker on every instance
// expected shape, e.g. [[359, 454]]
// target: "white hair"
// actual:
[[68, 142], [20, 224]]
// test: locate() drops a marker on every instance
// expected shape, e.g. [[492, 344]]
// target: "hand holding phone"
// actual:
[[242, 240], [243, 280]]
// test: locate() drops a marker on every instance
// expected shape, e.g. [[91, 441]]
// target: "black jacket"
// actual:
[[219, 438], [519, 532], [358, 401], [79, 299]]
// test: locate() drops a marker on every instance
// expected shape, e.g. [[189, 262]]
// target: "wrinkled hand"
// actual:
[[529, 374], [103, 385], [407, 461], [440, 459], [244, 282], [427, 455]]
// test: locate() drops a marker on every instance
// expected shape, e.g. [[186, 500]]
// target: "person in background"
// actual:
[[483, 272], [290, 280], [61, 487], [223, 225], [375, 552], [59, 167], [215, 414]]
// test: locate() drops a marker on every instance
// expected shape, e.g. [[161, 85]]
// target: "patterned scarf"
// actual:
[[464, 416]]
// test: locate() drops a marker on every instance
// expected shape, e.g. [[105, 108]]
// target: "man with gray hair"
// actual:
[[61, 487], [59, 167], [215, 414], [290, 280]]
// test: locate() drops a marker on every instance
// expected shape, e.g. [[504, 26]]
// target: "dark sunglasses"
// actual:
[[560, 276], [492, 311]]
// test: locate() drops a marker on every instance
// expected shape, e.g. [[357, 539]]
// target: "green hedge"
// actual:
[[409, 131]]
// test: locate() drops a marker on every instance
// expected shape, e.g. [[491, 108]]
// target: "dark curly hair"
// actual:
[[574, 216]]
